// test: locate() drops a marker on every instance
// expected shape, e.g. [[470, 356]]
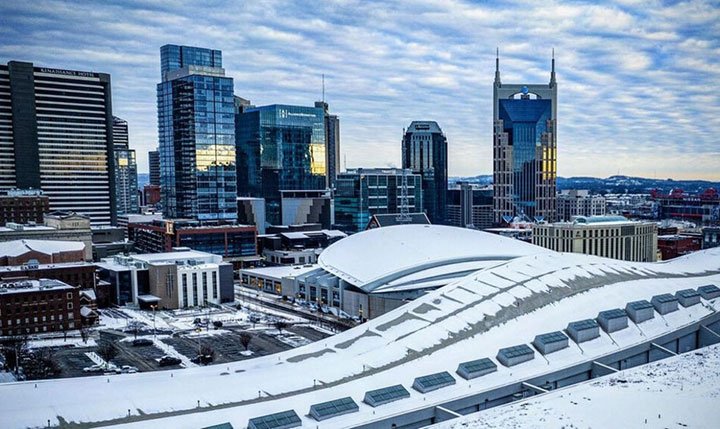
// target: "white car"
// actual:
[[94, 368], [127, 369]]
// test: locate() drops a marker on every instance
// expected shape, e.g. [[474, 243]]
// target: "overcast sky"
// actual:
[[637, 80]]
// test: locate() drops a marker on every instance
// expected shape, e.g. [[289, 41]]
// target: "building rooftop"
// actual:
[[48, 247], [25, 286], [280, 271], [434, 333], [377, 256]]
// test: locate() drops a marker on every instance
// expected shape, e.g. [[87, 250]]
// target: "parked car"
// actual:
[[127, 369], [202, 359], [169, 360], [254, 318], [94, 368], [142, 342]]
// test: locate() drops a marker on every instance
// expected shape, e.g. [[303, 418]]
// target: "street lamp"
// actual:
[[153, 306]]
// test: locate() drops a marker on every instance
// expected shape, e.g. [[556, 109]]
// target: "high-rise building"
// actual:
[[56, 135], [197, 135], [425, 153], [574, 202], [524, 149], [280, 147], [154, 167], [332, 144], [126, 186], [364, 192]]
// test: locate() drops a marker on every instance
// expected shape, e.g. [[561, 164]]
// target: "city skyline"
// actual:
[[635, 80]]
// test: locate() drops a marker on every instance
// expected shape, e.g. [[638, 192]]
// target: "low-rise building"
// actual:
[[19, 252], [180, 279], [574, 202], [78, 274], [296, 244], [37, 306], [672, 246], [711, 237], [608, 236], [23, 206], [59, 226], [109, 241], [232, 242]]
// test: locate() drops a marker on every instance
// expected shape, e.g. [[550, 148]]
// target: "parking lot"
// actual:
[[178, 334]]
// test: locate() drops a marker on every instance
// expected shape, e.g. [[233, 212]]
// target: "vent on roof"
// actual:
[[613, 320], [476, 368], [709, 291], [385, 395], [428, 383], [282, 420], [664, 303], [688, 297], [550, 342], [640, 311], [330, 409], [515, 355], [583, 330]]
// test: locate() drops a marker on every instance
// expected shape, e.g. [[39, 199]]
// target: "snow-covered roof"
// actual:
[[373, 258], [494, 308], [48, 247], [280, 271]]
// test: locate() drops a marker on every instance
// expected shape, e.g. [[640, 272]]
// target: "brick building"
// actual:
[[37, 306], [79, 274], [672, 246], [19, 252], [23, 206]]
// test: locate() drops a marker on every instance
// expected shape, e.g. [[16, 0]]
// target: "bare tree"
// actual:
[[245, 339], [13, 348], [42, 365], [280, 325], [108, 352], [84, 333], [207, 354]]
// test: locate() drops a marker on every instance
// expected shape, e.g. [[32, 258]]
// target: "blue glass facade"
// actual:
[[196, 129], [362, 193], [280, 147], [525, 121]]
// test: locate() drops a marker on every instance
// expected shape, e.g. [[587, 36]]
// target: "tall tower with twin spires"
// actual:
[[524, 149]]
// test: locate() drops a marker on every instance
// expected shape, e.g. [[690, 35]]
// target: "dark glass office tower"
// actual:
[[332, 143], [56, 134], [425, 153], [196, 130], [154, 167], [126, 186], [280, 148]]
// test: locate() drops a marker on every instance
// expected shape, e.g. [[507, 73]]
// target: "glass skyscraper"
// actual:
[[425, 152], [126, 183], [363, 192], [524, 150], [280, 147], [196, 130]]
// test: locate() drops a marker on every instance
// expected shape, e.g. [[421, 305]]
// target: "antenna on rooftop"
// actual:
[[404, 216], [323, 87]]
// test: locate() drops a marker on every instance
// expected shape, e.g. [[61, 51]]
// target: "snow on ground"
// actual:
[[60, 342], [679, 392], [170, 351]]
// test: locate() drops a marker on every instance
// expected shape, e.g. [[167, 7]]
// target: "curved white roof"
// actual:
[[502, 306], [378, 256], [48, 247]]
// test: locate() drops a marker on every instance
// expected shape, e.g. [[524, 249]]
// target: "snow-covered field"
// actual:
[[679, 392]]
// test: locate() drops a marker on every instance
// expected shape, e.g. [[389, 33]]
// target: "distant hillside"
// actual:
[[613, 184]]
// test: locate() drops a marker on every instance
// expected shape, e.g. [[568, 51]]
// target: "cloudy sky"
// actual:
[[638, 80]]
